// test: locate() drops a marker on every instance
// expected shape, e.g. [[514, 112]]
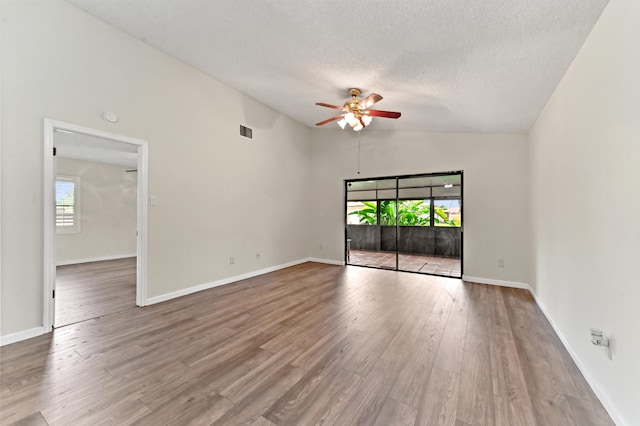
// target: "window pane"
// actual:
[[362, 212], [414, 193], [414, 213], [387, 194], [65, 197], [388, 212], [64, 193], [66, 205], [440, 191], [361, 195], [447, 212]]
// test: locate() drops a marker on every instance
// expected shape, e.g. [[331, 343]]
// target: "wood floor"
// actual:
[[311, 344], [91, 290]]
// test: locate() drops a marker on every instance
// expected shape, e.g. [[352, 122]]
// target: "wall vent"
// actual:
[[246, 132]]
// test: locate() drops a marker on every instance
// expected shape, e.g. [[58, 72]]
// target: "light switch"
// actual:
[[154, 200]]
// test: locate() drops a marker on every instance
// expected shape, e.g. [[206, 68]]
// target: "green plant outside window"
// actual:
[[409, 213]]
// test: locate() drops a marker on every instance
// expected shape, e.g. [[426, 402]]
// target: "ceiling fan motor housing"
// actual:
[[353, 103]]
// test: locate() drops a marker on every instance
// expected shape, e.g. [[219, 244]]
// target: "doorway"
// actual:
[[409, 223], [94, 182]]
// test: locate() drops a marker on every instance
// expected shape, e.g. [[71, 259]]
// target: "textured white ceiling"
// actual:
[[447, 65]]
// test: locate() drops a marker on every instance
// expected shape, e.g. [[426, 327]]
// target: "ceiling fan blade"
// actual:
[[370, 100], [385, 114], [329, 120], [328, 105]]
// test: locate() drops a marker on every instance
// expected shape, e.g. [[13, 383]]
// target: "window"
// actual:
[[362, 212], [388, 212], [67, 204], [409, 212], [447, 212], [414, 213]]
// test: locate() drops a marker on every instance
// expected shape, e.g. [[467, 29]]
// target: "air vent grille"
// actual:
[[246, 132]]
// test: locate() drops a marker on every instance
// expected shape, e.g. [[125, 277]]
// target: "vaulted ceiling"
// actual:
[[447, 65]]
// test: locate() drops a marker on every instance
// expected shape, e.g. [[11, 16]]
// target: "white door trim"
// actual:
[[49, 226]]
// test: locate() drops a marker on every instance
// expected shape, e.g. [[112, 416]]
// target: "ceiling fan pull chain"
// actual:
[[359, 133]]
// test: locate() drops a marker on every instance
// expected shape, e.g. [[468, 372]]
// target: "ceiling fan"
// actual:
[[356, 111]]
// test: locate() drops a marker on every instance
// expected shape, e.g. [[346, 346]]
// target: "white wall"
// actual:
[[108, 204], [219, 195], [585, 153], [495, 189]]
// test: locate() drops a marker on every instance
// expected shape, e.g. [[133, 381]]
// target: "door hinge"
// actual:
[[54, 151], [53, 294]]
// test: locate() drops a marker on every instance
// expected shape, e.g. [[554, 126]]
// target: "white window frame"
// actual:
[[76, 228]]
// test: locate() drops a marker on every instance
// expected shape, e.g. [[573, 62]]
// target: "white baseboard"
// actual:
[[206, 286], [327, 261], [593, 383], [94, 259], [21, 335], [512, 284]]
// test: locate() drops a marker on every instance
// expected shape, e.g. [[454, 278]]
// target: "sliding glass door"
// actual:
[[407, 223]]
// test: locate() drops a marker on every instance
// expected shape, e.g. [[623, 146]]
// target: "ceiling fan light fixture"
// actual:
[[367, 119], [351, 119], [342, 122], [358, 127]]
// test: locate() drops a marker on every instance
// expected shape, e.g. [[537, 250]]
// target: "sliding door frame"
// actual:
[[397, 179]]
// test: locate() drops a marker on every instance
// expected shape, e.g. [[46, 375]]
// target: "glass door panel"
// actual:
[[370, 223], [429, 225]]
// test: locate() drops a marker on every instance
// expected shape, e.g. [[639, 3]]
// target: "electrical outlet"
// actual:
[[500, 263], [258, 256], [320, 247], [599, 339], [232, 260]]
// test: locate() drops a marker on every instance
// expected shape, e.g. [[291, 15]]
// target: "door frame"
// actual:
[[49, 225], [397, 177]]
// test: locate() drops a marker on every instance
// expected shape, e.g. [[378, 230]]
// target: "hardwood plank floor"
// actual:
[[311, 344], [91, 290]]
